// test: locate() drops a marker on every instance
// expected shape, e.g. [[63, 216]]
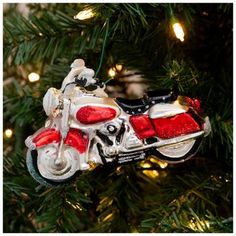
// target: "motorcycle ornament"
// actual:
[[85, 128]]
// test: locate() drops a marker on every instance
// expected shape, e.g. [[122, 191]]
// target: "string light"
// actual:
[[111, 72], [145, 164], [162, 164], [92, 165], [119, 170], [135, 230], [179, 32], [108, 217], [33, 77], [84, 15], [8, 133], [119, 67], [151, 173], [75, 206], [199, 225]]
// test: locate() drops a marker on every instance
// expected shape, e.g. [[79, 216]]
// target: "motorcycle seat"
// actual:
[[158, 96], [133, 106], [139, 106]]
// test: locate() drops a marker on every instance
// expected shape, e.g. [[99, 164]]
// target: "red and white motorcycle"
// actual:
[[85, 126]]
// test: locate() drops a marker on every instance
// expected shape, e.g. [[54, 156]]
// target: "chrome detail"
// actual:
[[29, 143], [93, 155], [131, 156], [48, 123], [51, 102], [65, 118], [132, 141], [207, 126], [163, 142], [111, 128], [55, 169], [165, 110], [110, 151], [178, 149]]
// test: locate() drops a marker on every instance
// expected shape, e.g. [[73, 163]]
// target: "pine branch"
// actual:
[[195, 196], [119, 203], [184, 208]]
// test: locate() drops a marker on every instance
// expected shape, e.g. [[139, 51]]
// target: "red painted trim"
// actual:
[[77, 139], [95, 114], [47, 136]]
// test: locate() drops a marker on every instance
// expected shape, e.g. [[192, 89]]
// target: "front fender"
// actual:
[[77, 139], [45, 136]]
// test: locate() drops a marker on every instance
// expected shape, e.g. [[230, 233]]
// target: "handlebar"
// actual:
[[82, 83]]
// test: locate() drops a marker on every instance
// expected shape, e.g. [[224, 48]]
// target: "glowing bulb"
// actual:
[[108, 217], [75, 206], [162, 164], [155, 173], [200, 225], [33, 77], [145, 165], [179, 32], [207, 223], [191, 225], [8, 133], [84, 15], [111, 72], [151, 173], [119, 67], [92, 165]]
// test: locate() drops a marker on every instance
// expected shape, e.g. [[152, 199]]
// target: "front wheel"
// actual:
[[178, 152], [32, 165]]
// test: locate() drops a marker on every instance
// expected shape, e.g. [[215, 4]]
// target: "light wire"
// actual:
[[103, 46]]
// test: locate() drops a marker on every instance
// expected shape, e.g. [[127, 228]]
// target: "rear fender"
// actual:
[[166, 110]]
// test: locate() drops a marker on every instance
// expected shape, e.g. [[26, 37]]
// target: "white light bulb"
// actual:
[[84, 15], [119, 67], [151, 173], [111, 72], [179, 32], [146, 165], [163, 165], [8, 133], [33, 77]]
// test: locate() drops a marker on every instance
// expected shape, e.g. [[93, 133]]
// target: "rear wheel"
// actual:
[[178, 152]]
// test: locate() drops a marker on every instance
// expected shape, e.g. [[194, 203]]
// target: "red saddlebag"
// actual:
[[142, 126], [174, 126]]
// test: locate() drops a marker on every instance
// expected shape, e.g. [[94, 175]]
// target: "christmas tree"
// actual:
[[134, 48]]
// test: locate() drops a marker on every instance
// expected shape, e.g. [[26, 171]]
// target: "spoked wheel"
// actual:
[[56, 180], [178, 152]]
